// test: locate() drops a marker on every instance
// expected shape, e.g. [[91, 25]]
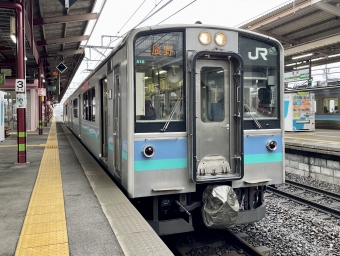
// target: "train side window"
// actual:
[[85, 105], [330, 105], [93, 96], [75, 108]]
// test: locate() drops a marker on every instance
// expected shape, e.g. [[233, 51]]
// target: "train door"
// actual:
[[117, 161], [104, 119], [217, 126]]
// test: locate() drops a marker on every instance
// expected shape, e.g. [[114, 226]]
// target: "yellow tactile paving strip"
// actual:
[[44, 231]]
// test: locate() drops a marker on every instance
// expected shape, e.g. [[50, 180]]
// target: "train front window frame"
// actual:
[[261, 79], [159, 81]]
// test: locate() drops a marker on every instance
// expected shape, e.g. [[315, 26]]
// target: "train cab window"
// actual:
[[261, 79], [212, 94], [159, 86]]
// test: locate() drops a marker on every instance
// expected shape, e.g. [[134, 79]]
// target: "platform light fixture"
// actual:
[[305, 66], [302, 56], [334, 55], [12, 29]]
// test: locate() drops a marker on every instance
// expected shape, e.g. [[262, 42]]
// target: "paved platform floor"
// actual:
[[320, 141], [88, 230]]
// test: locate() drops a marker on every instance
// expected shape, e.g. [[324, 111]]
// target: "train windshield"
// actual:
[[261, 78], [159, 77]]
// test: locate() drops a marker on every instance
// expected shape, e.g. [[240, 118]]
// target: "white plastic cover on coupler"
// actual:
[[220, 207]]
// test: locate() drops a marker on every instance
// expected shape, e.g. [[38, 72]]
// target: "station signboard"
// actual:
[[297, 75]]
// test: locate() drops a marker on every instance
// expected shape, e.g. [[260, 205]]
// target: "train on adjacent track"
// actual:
[[177, 108], [326, 108]]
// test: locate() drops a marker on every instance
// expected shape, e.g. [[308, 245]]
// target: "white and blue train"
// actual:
[[176, 108]]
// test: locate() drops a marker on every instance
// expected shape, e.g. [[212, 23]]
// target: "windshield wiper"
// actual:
[[252, 116], [171, 115]]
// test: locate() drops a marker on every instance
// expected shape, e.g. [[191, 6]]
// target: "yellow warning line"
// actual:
[[44, 231], [330, 141], [311, 134]]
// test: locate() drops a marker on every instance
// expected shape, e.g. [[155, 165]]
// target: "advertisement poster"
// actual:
[[301, 103]]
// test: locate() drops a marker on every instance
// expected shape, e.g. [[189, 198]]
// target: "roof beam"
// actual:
[[309, 26], [67, 63], [279, 15], [278, 37], [327, 7], [70, 39], [66, 19], [312, 45], [63, 53], [5, 48]]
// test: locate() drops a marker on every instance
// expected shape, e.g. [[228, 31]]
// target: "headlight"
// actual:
[[205, 38], [148, 151], [271, 145], [220, 39]]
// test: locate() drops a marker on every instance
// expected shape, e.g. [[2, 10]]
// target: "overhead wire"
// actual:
[[130, 17], [177, 12], [148, 16]]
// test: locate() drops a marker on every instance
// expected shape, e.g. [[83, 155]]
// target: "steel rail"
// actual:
[[241, 244], [332, 195], [320, 207]]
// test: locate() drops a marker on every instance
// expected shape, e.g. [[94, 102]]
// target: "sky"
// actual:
[[118, 16]]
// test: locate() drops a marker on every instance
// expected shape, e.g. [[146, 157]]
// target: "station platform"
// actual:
[[61, 202], [321, 141]]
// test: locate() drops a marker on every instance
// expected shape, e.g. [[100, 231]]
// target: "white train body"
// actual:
[[168, 114]]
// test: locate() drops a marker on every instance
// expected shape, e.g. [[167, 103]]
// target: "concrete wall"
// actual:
[[317, 168]]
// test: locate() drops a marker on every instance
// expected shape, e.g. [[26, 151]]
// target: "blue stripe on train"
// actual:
[[169, 154], [263, 158], [162, 164], [330, 117], [255, 150], [164, 149], [257, 145]]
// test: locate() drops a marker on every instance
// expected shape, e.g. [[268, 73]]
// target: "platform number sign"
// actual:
[[20, 85]]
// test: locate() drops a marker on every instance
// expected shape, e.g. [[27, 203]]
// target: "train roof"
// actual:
[[132, 33]]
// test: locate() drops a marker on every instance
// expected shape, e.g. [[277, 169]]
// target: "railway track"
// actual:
[[319, 199], [227, 244]]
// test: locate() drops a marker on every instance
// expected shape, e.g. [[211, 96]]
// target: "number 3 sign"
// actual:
[[20, 85]]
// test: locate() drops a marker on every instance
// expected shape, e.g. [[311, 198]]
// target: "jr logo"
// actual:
[[263, 52]]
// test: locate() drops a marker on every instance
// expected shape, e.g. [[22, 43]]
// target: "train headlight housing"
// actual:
[[220, 39], [271, 145], [205, 38], [149, 151]]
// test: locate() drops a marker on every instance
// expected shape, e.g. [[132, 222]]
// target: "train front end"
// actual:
[[214, 129]]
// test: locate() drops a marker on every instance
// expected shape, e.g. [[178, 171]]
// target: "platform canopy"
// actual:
[[57, 35], [304, 27]]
